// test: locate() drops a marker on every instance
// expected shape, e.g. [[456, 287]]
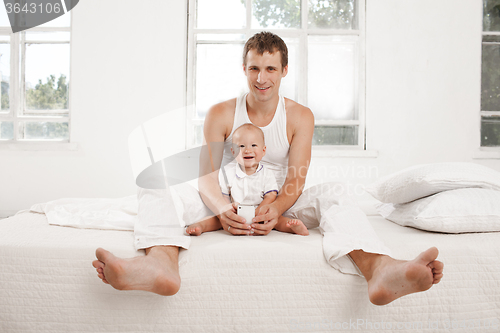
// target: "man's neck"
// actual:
[[264, 109]]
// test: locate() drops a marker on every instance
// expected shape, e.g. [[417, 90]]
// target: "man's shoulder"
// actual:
[[295, 109], [221, 116], [223, 108], [298, 114]]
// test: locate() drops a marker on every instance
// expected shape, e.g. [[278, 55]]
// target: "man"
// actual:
[[288, 128]]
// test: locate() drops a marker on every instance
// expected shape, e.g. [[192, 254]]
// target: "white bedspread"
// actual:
[[277, 283]]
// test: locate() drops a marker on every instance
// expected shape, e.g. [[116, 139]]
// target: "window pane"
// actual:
[[332, 77], [276, 14], [6, 130], [47, 76], [4, 19], [220, 14], [335, 135], [219, 75], [44, 131], [332, 14], [48, 36], [290, 82], [4, 76], [491, 15], [490, 131], [221, 37], [490, 77], [198, 135], [63, 21]]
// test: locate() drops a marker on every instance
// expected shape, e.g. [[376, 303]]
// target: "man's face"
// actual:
[[248, 147], [264, 73]]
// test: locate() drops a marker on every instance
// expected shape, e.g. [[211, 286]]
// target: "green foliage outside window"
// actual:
[[490, 76], [335, 135], [5, 95], [491, 15], [46, 131], [49, 95], [333, 14], [490, 132]]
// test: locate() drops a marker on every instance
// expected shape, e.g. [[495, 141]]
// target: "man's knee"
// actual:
[[327, 194]]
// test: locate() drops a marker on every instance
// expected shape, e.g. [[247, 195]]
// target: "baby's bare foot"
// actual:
[[195, 229], [206, 225], [297, 227]]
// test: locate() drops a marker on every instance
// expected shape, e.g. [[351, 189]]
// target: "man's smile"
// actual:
[[263, 88]]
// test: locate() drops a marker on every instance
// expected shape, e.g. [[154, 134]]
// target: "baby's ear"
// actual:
[[264, 150]]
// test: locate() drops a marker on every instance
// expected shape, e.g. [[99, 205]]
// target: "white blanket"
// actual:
[[98, 213]]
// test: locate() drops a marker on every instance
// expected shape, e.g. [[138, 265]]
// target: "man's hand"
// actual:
[[268, 214], [233, 223]]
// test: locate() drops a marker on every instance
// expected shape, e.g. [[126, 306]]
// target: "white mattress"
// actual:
[[277, 283]]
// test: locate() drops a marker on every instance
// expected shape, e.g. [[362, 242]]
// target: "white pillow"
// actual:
[[424, 180], [455, 211]]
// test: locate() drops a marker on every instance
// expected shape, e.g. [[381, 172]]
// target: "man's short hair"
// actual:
[[266, 42], [250, 126]]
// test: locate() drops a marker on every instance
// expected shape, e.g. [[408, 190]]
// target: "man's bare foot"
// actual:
[[392, 278], [297, 227], [157, 272], [99, 267]]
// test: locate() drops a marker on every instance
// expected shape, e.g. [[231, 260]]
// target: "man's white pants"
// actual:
[[163, 215]]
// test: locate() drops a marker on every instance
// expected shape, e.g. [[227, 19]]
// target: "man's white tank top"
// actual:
[[277, 146]]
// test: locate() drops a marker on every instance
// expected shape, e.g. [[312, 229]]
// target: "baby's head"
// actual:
[[248, 145]]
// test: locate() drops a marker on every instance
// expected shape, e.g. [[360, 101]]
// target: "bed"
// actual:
[[277, 283]]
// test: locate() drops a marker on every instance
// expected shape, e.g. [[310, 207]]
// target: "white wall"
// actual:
[[128, 65], [423, 72], [129, 62]]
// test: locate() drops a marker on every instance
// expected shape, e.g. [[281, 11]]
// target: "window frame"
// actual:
[[481, 112], [17, 93], [302, 76]]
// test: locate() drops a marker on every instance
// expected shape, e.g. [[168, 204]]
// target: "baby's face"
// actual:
[[248, 147]]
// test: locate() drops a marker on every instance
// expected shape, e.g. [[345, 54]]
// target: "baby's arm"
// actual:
[[268, 198]]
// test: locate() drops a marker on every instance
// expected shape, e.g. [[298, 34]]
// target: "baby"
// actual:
[[250, 182]]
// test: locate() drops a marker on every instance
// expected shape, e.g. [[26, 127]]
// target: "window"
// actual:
[[325, 39], [35, 74], [490, 75]]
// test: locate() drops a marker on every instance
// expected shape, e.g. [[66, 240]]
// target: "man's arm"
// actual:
[[301, 123], [215, 130]]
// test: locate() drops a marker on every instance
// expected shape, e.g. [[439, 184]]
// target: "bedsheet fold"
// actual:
[[95, 213]]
